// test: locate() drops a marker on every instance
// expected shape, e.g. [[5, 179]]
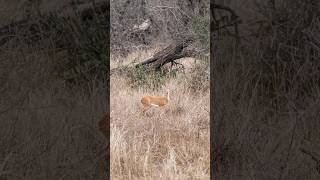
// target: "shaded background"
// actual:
[[265, 89], [53, 64]]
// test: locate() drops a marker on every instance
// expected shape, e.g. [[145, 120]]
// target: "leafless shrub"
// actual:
[[48, 129], [169, 20], [265, 91], [200, 77]]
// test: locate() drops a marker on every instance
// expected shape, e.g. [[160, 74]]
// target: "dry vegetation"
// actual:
[[48, 123], [53, 93], [266, 90], [172, 143], [169, 143], [48, 130]]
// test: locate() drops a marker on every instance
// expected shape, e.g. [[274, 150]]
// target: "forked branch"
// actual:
[[168, 55]]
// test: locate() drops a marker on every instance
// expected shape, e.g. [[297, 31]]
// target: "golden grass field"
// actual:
[[169, 143]]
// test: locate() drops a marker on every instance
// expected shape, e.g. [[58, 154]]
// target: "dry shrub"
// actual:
[[172, 143], [171, 21], [265, 94], [200, 77], [48, 128]]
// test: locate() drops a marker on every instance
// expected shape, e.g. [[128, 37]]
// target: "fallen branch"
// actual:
[[168, 55]]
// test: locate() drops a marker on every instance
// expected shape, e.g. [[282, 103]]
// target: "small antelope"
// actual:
[[157, 101]]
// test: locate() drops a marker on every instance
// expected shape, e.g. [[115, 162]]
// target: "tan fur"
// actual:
[[158, 101]]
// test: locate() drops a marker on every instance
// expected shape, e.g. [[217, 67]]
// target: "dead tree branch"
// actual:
[[168, 55]]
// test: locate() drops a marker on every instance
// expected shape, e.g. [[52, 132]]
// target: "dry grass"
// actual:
[[172, 143], [48, 130], [266, 98]]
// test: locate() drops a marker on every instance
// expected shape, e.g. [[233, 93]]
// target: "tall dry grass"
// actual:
[[172, 143], [266, 93], [48, 126], [48, 130]]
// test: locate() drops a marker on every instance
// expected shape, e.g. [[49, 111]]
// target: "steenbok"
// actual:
[[155, 101]]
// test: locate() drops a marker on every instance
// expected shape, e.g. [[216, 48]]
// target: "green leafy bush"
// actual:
[[141, 77]]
